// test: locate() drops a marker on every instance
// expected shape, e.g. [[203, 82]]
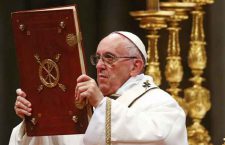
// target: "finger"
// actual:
[[21, 93], [89, 83], [83, 78], [79, 85], [21, 113], [83, 96], [20, 105], [79, 90], [23, 101], [76, 93]]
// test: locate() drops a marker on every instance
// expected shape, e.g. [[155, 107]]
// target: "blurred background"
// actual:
[[97, 19]]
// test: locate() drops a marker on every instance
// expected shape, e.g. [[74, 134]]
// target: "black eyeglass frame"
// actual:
[[105, 58]]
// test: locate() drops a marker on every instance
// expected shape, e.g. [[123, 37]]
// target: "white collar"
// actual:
[[133, 81]]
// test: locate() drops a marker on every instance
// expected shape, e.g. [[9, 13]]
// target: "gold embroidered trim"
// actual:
[[108, 122]]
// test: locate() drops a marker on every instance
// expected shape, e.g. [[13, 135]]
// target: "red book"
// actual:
[[50, 58]]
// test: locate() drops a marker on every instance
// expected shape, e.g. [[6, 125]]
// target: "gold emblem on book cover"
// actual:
[[80, 104], [72, 39], [49, 73]]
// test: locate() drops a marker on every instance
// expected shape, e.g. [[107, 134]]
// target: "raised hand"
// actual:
[[88, 89], [22, 105]]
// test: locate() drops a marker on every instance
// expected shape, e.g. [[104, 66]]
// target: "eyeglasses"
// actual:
[[107, 58]]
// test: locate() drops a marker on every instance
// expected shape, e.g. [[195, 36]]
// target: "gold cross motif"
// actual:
[[49, 73]]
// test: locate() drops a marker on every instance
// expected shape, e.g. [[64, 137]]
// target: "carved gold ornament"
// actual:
[[153, 20], [75, 119], [49, 73], [196, 99], [72, 39]]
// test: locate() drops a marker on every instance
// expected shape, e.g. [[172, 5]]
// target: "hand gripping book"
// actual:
[[50, 58]]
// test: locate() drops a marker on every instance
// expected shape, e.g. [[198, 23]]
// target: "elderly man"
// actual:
[[129, 109]]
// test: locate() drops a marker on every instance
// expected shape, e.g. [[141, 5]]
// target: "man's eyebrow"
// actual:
[[105, 53], [109, 53]]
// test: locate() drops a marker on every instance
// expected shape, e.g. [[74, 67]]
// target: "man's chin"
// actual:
[[102, 82], [104, 90]]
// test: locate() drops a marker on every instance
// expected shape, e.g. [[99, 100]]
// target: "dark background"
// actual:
[[100, 17]]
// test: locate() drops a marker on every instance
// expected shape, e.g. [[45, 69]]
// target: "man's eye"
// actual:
[[97, 57], [109, 56]]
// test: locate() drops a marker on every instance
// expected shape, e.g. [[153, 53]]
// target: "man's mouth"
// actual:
[[102, 76]]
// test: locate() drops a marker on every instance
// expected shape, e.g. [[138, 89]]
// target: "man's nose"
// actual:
[[100, 64]]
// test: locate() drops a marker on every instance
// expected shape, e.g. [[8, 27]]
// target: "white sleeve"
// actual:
[[95, 133], [19, 137], [17, 134], [143, 123]]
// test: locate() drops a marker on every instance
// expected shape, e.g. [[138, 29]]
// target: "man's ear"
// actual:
[[137, 68]]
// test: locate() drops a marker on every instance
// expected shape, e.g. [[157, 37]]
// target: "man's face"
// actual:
[[111, 77]]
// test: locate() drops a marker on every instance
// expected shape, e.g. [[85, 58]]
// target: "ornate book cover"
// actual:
[[50, 58]]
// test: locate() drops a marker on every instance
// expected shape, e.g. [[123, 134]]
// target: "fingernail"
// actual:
[[18, 90]]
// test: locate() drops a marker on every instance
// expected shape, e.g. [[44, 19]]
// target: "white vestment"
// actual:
[[19, 137], [153, 119]]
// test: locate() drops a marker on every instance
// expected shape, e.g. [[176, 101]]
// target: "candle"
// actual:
[[153, 5]]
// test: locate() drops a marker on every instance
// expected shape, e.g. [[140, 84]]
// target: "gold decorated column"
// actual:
[[197, 97], [153, 20], [174, 69], [152, 5]]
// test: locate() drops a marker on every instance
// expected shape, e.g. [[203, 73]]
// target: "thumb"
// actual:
[[21, 93]]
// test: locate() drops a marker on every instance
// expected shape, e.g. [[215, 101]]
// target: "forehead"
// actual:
[[113, 43]]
